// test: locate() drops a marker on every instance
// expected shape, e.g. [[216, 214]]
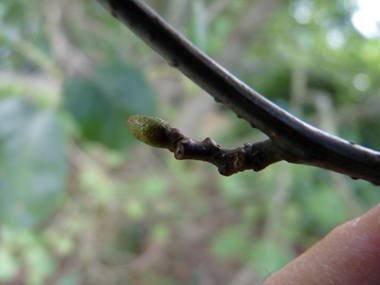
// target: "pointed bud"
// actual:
[[152, 131]]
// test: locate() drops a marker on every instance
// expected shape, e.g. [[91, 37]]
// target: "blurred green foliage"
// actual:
[[34, 162], [82, 202], [102, 103]]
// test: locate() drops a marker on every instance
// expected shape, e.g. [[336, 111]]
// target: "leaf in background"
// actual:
[[33, 163], [103, 103]]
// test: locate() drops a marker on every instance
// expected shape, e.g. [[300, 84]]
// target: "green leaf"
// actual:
[[102, 103], [152, 131], [33, 163]]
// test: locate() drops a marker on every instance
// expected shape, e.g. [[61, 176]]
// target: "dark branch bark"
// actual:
[[228, 161], [294, 140], [256, 156]]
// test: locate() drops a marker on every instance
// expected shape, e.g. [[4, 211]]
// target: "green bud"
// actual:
[[152, 131]]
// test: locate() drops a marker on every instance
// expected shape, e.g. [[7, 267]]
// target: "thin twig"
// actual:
[[294, 140], [158, 133], [229, 161]]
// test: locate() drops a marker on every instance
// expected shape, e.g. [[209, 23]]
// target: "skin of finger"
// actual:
[[349, 254]]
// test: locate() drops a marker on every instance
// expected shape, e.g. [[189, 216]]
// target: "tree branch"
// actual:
[[256, 156], [294, 140], [158, 133]]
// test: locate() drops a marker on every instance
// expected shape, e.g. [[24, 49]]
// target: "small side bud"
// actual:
[[152, 131]]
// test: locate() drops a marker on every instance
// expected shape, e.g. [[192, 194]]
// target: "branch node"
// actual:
[[211, 142], [173, 63], [180, 151], [376, 160], [238, 158], [222, 170], [149, 37], [112, 9]]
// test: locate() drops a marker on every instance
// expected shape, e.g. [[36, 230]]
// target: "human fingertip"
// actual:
[[349, 255]]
